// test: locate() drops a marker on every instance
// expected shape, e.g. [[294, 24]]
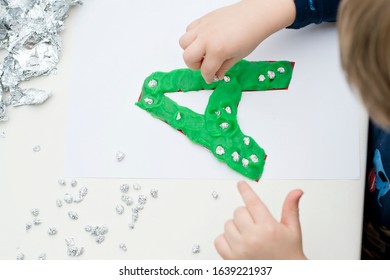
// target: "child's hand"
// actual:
[[254, 234], [216, 41]]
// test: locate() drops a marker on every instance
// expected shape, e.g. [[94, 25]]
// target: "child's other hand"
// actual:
[[254, 234], [216, 41]]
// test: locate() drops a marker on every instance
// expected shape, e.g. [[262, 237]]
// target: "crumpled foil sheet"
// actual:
[[29, 37]]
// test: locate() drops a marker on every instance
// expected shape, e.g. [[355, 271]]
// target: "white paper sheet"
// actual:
[[309, 131]]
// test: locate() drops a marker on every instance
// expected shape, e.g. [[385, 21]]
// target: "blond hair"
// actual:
[[364, 37]]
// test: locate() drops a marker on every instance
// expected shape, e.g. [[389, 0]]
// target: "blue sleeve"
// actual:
[[314, 11]]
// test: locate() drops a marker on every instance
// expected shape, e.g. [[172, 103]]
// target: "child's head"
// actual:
[[364, 36]]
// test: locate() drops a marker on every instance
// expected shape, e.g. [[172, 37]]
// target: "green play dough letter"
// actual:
[[217, 129]]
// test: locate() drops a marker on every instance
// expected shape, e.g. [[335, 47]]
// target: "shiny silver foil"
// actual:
[[196, 249], [123, 247], [154, 193], [29, 38], [98, 232], [20, 257], [73, 250]]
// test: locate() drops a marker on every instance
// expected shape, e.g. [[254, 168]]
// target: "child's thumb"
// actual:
[[290, 212]]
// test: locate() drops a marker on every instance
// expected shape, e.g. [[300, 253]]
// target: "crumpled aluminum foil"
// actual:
[[29, 37]]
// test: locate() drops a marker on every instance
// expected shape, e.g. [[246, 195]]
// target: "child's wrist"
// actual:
[[281, 13]]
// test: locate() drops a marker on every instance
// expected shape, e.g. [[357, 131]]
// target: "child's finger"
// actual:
[[243, 219], [232, 234], [256, 207], [187, 39], [209, 67], [223, 247], [290, 212], [193, 55], [226, 65], [192, 24]]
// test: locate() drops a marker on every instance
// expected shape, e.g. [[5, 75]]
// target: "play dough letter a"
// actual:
[[217, 129]]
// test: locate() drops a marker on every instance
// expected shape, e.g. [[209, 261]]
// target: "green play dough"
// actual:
[[217, 129]]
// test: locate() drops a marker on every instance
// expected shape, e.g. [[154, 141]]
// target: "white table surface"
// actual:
[[185, 212]]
